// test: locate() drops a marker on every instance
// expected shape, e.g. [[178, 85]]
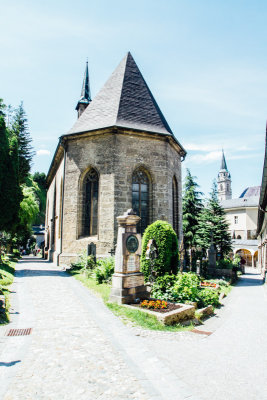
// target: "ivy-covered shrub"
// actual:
[[104, 270], [167, 244]]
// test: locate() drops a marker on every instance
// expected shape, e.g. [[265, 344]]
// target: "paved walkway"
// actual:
[[231, 363], [79, 349]]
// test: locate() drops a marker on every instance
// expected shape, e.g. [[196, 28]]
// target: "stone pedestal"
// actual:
[[212, 256], [127, 281]]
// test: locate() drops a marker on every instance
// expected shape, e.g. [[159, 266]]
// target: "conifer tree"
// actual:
[[25, 150], [192, 205], [213, 225]]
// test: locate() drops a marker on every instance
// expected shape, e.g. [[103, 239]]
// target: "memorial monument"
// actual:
[[127, 281]]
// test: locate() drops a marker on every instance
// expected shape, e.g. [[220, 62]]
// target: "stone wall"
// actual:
[[115, 156], [54, 193]]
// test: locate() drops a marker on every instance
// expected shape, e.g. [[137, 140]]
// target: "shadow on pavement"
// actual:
[[250, 280], [39, 272], [30, 259], [9, 364]]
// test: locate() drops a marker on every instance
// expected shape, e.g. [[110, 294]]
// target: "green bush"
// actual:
[[104, 270], [184, 288], [226, 263], [162, 288], [236, 261], [187, 287], [167, 244], [84, 262], [208, 296]]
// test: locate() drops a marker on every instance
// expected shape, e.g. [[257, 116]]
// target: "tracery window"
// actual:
[[140, 198], [175, 204], [90, 203]]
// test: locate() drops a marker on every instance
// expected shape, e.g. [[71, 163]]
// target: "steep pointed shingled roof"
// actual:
[[124, 101]]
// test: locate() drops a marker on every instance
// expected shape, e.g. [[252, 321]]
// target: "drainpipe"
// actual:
[[62, 200]]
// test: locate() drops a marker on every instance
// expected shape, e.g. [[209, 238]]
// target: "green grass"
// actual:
[[7, 270], [136, 317], [226, 289]]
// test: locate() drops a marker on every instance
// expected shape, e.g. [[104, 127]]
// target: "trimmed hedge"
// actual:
[[167, 244]]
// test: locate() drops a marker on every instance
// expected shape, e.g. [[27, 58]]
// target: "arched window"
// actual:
[[221, 187], [140, 198], [90, 203], [175, 205]]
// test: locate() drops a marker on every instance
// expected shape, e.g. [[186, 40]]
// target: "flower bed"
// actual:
[[209, 284], [160, 306], [173, 314], [154, 304]]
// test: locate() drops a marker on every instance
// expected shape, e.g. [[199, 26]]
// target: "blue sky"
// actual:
[[204, 61]]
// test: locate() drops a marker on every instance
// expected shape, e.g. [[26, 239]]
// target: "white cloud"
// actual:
[[208, 157], [200, 147], [43, 152]]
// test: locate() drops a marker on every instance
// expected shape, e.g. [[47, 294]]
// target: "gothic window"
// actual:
[[140, 198], [175, 204], [90, 203]]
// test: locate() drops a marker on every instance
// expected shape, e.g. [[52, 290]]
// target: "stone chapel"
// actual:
[[119, 154]]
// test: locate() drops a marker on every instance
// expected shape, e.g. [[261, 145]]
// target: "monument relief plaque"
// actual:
[[132, 244]]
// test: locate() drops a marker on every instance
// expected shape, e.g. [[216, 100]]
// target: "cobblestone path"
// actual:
[[77, 349]]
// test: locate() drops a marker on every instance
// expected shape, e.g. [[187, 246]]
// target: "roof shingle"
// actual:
[[125, 101]]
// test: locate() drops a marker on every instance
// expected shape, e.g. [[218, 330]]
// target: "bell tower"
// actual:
[[85, 98], [224, 181]]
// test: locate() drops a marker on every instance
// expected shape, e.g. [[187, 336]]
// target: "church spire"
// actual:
[[85, 98], [224, 181], [223, 163]]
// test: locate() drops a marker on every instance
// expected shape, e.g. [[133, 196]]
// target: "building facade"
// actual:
[[262, 219], [241, 215], [120, 154]]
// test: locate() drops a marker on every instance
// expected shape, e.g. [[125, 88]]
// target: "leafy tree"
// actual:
[[212, 224], [20, 129], [29, 206], [39, 178], [10, 194], [192, 206]]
